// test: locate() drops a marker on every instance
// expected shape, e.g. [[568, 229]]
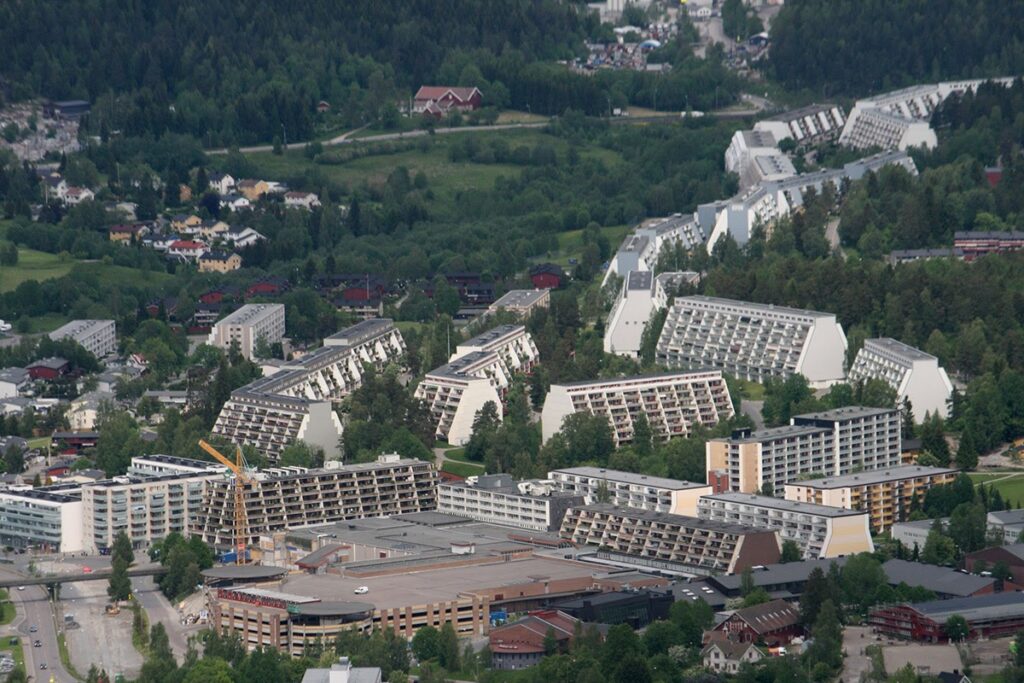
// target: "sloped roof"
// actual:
[[434, 92], [941, 580], [770, 616]]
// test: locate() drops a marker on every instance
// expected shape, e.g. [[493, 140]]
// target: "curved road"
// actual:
[[35, 609]]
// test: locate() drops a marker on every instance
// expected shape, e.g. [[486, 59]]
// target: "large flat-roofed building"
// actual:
[[673, 403], [296, 403], [500, 499], [247, 326], [667, 542], [629, 489], [480, 371], [886, 494], [642, 295], [98, 337], [155, 465], [987, 616], [819, 531], [522, 302], [752, 341], [864, 438], [287, 497], [47, 519], [146, 508], [914, 374]]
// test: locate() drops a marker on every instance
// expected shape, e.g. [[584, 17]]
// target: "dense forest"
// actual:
[[853, 47]]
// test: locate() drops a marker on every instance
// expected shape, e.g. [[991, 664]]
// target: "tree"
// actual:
[[659, 636], [426, 643], [1001, 570], [933, 439], [828, 638], [956, 628], [448, 648], [122, 549], [768, 489], [938, 549], [862, 578], [967, 451], [790, 552], [119, 586], [968, 526], [643, 435], [301, 454], [907, 426], [550, 642], [209, 670]]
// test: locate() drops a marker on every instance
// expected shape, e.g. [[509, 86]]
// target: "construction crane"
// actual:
[[241, 530]]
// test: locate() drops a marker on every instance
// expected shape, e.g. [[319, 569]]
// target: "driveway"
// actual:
[[857, 662]]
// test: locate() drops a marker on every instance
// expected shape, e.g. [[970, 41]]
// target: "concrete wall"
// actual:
[[824, 354]]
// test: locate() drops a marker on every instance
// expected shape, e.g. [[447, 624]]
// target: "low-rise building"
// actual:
[[640, 491], [915, 375], [13, 381], [98, 337], [522, 302], [886, 494], [752, 341], [987, 616], [672, 403], [247, 326], [819, 531], [46, 518], [1011, 555], [342, 671], [667, 542], [219, 262], [500, 499], [301, 200], [84, 410], [776, 623], [523, 643], [979, 243], [727, 657]]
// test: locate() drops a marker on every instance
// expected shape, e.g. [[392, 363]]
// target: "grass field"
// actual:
[[462, 469], [6, 608], [32, 265], [1009, 484]]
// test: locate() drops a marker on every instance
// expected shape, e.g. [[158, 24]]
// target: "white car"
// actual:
[[21, 588], [362, 590]]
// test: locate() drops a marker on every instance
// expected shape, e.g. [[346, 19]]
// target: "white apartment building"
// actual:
[[47, 518], [293, 497], [914, 374], [642, 294], [158, 465], [98, 337], [500, 499], [479, 371], [819, 531], [829, 443], [13, 381], [672, 403], [522, 302], [809, 124], [753, 341], [626, 489], [641, 248], [147, 508], [296, 403], [247, 325]]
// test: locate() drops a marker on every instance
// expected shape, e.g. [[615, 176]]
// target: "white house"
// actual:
[[235, 202], [301, 200], [221, 183], [74, 196], [242, 236], [187, 249]]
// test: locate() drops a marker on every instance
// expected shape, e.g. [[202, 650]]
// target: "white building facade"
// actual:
[[98, 337], [627, 489], [914, 374], [247, 326]]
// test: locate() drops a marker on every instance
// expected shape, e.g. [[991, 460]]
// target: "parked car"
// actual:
[[362, 590]]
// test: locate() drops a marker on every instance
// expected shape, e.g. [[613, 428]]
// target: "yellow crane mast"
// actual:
[[241, 530]]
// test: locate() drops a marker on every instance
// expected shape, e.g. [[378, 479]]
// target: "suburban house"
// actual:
[[219, 262], [437, 100], [219, 295], [726, 656], [235, 202], [521, 644], [301, 200], [221, 183], [188, 250], [212, 229], [269, 286], [48, 368], [775, 623], [187, 224], [12, 381], [547, 276], [241, 236], [125, 233], [76, 195], [252, 189]]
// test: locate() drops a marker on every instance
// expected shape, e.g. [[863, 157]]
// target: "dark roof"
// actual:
[[974, 608], [939, 580], [547, 268], [244, 572], [791, 572], [52, 363], [770, 616]]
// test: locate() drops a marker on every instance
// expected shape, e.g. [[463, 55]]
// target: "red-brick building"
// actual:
[[979, 243], [988, 616], [271, 286], [775, 623], [1010, 555], [521, 644], [48, 368]]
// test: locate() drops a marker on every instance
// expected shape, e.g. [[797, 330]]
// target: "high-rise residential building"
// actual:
[[500, 499], [289, 497], [642, 295], [247, 326], [667, 542], [98, 337], [829, 443], [296, 403], [480, 371], [914, 374], [673, 403], [47, 518], [818, 530], [752, 341], [806, 125], [641, 248], [886, 494], [628, 489]]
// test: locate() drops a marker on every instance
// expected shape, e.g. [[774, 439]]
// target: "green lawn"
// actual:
[[6, 608], [462, 469], [32, 265], [570, 243], [751, 390], [15, 652], [1011, 488]]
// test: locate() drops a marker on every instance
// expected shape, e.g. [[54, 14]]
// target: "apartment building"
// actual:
[[157, 465], [500, 499], [674, 543], [641, 248], [885, 494], [627, 489], [673, 403], [971, 245], [829, 443], [290, 497], [914, 374], [522, 302], [806, 125], [642, 295], [247, 325], [479, 371], [147, 508], [819, 531], [296, 403], [98, 337], [752, 341], [46, 518]]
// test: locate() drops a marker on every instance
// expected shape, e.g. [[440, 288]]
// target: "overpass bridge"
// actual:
[[99, 575]]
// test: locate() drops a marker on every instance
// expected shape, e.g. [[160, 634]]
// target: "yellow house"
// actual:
[[183, 223], [213, 229], [252, 189], [124, 233], [219, 262]]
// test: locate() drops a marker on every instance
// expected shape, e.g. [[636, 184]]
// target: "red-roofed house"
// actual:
[[188, 249], [775, 623], [438, 99], [521, 644]]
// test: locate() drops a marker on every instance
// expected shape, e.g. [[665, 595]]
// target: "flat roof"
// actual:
[[176, 460], [847, 413], [775, 574], [801, 112], [520, 297], [77, 327], [975, 608], [249, 312], [462, 367], [639, 280], [244, 572], [764, 308], [669, 518], [667, 376], [360, 332], [494, 335], [939, 580], [898, 348], [629, 478], [770, 433], [874, 477], [783, 504]]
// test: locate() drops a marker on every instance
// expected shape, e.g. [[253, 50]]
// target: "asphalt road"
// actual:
[[34, 609], [160, 609]]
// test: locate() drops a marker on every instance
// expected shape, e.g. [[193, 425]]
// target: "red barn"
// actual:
[[775, 623], [441, 99], [48, 368], [547, 276]]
